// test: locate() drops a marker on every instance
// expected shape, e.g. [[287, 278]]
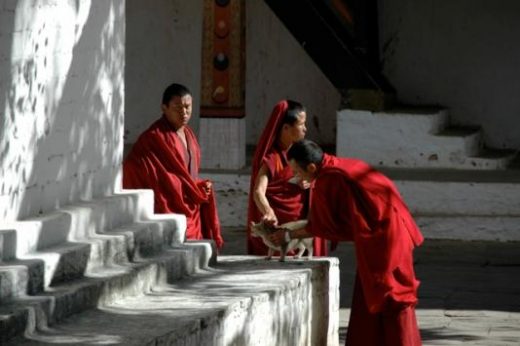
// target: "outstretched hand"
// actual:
[[206, 186], [270, 219], [304, 184]]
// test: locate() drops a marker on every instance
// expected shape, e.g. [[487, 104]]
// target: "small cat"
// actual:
[[261, 230]]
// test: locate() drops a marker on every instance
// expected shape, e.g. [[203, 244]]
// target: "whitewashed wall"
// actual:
[[61, 102], [463, 54], [277, 68], [163, 46]]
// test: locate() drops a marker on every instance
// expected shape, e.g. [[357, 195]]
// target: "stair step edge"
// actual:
[[102, 287]]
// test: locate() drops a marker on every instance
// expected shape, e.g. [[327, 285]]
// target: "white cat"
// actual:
[[261, 230]]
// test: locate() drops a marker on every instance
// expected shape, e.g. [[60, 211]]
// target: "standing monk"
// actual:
[[166, 159], [275, 196], [353, 202]]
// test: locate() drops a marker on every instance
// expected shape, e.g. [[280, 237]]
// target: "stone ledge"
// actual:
[[490, 228], [25, 313], [241, 300]]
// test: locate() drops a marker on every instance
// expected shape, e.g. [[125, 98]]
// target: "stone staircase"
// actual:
[[415, 138], [110, 271], [456, 188]]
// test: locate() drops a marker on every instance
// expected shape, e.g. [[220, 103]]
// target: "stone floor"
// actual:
[[469, 293]]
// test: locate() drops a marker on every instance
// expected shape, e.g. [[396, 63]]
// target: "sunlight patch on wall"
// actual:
[[43, 39]]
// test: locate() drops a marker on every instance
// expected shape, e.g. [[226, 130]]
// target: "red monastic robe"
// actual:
[[159, 161], [353, 202], [288, 200]]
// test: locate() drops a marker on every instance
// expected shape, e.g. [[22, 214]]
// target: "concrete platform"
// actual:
[[241, 300], [469, 293]]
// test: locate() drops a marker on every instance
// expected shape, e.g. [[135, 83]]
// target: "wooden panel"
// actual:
[[223, 72]]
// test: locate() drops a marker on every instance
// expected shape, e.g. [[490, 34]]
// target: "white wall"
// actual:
[[462, 54], [277, 68], [61, 102], [163, 46]]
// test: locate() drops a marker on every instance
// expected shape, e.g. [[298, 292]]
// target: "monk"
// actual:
[[276, 196], [166, 159], [353, 202]]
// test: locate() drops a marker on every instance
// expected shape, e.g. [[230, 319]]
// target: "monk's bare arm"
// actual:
[[259, 196]]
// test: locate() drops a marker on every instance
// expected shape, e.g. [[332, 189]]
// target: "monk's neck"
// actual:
[[284, 143], [172, 126], [180, 131]]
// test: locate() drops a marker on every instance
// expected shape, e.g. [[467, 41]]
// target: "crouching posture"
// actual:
[[263, 231], [351, 201]]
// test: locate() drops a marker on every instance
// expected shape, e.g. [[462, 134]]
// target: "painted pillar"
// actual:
[[222, 123]]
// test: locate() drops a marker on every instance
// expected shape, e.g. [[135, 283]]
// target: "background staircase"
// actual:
[[455, 186], [419, 137], [110, 271]]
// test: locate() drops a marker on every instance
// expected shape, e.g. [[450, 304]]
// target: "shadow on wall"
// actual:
[[5, 117], [61, 139]]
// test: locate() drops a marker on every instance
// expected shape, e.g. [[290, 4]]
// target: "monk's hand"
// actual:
[[207, 187], [278, 236], [269, 218], [304, 184]]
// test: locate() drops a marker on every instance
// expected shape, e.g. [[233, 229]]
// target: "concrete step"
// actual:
[[79, 238], [458, 192], [63, 262], [26, 313], [489, 158], [72, 260], [238, 301], [414, 138], [7, 244], [20, 277], [488, 228], [468, 138], [80, 220]]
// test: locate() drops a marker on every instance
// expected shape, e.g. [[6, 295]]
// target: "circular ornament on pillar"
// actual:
[[221, 29], [221, 61], [222, 3], [219, 94]]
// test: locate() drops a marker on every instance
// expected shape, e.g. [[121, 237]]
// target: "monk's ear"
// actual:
[[164, 108], [312, 168]]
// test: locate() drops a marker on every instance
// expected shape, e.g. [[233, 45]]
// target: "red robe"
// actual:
[[353, 202], [159, 161], [287, 199]]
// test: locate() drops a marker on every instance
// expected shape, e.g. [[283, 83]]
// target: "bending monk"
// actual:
[[166, 159], [353, 202]]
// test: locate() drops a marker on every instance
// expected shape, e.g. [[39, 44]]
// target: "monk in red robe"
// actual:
[[166, 159], [276, 196], [351, 201]]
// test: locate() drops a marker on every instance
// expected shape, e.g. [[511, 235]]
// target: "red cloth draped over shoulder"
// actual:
[[288, 200], [157, 162], [354, 202]]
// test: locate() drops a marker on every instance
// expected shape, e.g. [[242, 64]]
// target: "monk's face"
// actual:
[[298, 129], [307, 174], [178, 111]]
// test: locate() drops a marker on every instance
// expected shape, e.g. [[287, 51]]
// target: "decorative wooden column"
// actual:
[[222, 123]]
